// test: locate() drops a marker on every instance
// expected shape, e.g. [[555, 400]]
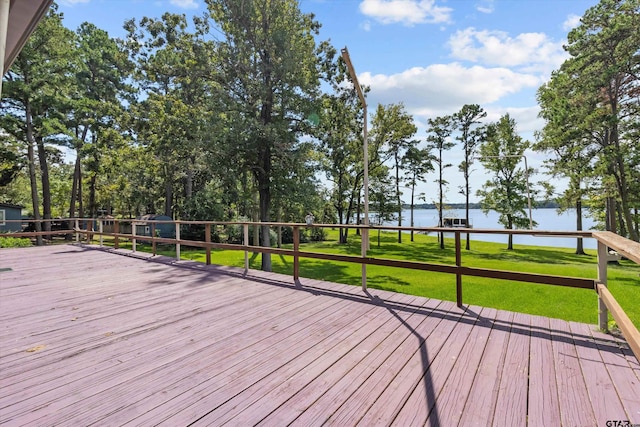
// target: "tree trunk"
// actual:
[[440, 224], [168, 197], [398, 200], [413, 190], [46, 184], [279, 227], [243, 207], [440, 205], [33, 179], [349, 214], [510, 227], [265, 200], [93, 210], [74, 186], [340, 213], [256, 228], [579, 246], [76, 192], [610, 223], [263, 176], [621, 219], [80, 202], [358, 215], [466, 216], [622, 180]]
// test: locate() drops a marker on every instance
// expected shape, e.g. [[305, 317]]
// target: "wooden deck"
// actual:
[[92, 337]]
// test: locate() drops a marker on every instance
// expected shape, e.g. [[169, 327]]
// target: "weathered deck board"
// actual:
[[569, 376], [544, 408], [511, 405], [602, 394], [456, 389], [481, 402], [143, 340]]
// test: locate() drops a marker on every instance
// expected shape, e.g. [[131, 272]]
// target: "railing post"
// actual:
[[296, 256], [603, 313], [178, 240], [153, 238], [90, 230], [458, 275], [116, 231], [245, 239], [101, 228], [133, 236], [207, 239], [77, 227], [364, 243]]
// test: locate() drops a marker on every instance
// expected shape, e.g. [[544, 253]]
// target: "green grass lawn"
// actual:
[[552, 301]]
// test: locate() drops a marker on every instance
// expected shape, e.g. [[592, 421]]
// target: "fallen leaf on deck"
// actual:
[[36, 348]]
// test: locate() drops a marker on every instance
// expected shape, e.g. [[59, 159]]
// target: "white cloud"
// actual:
[[366, 26], [485, 6], [185, 4], [406, 12], [535, 51], [72, 2], [571, 22], [444, 88]]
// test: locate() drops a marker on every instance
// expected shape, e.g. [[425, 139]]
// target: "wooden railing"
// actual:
[[91, 228], [606, 302]]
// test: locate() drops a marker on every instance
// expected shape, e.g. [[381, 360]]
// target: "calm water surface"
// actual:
[[547, 219]]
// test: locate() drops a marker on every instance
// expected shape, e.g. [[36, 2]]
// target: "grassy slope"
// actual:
[[551, 301]]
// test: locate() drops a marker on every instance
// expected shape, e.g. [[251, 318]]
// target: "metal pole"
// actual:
[[365, 143], [365, 159], [366, 176]]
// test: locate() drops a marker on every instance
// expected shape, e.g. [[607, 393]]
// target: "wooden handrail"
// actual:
[[625, 247], [627, 327], [607, 302]]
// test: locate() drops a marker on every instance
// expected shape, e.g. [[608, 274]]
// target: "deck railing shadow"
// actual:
[[427, 382], [466, 315]]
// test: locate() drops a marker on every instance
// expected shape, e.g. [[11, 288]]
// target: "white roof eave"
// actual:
[[24, 16]]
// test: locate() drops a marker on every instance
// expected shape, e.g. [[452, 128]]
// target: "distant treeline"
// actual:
[[548, 204]]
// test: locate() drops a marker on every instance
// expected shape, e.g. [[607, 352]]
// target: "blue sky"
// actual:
[[432, 55]]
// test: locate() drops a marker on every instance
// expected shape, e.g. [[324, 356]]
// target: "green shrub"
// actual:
[[318, 234], [14, 242], [287, 235]]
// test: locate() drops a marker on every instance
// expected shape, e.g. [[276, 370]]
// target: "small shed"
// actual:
[[163, 229], [10, 212]]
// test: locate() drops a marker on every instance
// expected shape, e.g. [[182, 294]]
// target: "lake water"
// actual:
[[547, 219]]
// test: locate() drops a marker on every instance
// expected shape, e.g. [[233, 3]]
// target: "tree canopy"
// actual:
[[243, 113]]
